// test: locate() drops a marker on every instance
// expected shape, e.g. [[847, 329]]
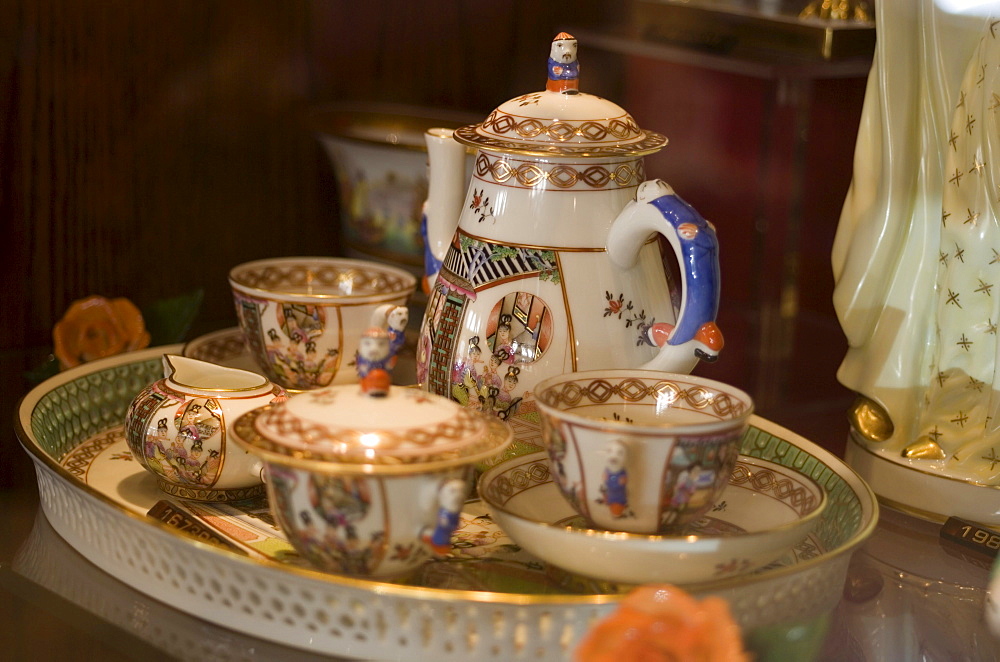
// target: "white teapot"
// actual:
[[549, 262]]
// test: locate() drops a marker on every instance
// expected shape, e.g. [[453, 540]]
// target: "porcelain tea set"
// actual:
[[548, 297]]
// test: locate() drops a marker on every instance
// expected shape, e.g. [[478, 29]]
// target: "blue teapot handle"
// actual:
[[658, 209]]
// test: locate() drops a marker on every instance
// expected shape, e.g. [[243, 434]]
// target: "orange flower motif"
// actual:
[[95, 327], [659, 623]]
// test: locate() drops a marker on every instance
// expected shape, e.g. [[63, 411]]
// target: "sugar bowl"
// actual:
[[369, 482]]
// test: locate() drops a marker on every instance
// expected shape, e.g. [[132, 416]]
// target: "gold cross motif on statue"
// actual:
[[992, 459], [964, 342]]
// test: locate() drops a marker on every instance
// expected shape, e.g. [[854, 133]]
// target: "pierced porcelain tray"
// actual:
[[484, 607]]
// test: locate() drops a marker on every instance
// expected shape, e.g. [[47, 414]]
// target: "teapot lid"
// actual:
[[343, 428], [561, 120]]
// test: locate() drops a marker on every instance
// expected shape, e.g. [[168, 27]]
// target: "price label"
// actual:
[[973, 538]]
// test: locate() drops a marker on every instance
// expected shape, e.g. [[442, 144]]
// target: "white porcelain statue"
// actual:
[[917, 251]]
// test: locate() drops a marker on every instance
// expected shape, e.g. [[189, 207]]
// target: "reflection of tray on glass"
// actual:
[[46, 560], [515, 609]]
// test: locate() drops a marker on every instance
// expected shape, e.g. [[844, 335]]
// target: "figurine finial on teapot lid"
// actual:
[[564, 70]]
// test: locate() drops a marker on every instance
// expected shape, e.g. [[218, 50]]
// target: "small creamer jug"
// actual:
[[180, 429]]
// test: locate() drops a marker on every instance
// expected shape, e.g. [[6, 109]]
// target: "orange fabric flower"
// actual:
[[95, 327], [661, 623]]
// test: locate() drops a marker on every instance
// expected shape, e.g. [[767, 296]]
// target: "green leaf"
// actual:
[[41, 372], [169, 320]]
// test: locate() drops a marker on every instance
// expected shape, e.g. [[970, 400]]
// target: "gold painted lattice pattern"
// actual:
[[302, 278], [517, 479], [561, 176], [635, 390], [80, 458], [533, 128], [464, 435], [793, 494], [206, 494], [218, 350]]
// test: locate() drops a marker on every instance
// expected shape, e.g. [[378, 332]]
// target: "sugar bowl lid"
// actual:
[[561, 120], [345, 429]]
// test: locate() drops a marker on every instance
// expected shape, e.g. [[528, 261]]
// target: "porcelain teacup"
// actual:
[[641, 451], [302, 317]]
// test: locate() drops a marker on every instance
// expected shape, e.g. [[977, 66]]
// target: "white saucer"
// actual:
[[767, 512]]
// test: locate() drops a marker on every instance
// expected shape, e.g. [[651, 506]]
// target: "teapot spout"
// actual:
[[445, 195]]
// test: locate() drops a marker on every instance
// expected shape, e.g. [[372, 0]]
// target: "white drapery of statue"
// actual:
[[917, 253]]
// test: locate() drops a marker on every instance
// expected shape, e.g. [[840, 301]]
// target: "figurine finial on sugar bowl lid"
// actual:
[[375, 361], [564, 70]]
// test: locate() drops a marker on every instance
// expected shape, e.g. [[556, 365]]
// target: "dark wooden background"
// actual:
[[148, 147]]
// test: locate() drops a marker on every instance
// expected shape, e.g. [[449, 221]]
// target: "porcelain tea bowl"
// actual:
[[765, 510], [369, 482], [302, 317], [180, 429], [641, 451]]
